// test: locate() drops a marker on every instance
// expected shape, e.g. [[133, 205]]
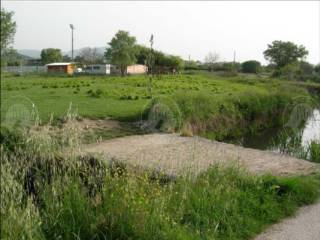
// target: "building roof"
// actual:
[[59, 64]]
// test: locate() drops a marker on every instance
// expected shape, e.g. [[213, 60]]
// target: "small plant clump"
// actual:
[[95, 94], [314, 149]]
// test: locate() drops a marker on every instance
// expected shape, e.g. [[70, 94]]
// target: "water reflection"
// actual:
[[311, 131], [280, 139]]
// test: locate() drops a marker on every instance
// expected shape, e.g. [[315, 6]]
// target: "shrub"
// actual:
[[95, 94], [251, 66], [163, 114]]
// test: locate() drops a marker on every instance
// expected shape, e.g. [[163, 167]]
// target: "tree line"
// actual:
[[286, 59]]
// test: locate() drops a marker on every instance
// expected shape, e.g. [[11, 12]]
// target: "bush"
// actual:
[[163, 114], [95, 94], [300, 71], [251, 66], [227, 66]]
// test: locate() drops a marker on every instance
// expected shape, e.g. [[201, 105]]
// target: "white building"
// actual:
[[104, 69]]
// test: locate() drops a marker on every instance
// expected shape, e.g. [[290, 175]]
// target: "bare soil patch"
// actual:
[[174, 155]]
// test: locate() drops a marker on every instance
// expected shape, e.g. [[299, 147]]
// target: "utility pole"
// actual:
[[151, 66], [72, 28], [151, 50], [234, 60]]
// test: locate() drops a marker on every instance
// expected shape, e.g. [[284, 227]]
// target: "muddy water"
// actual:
[[272, 139]]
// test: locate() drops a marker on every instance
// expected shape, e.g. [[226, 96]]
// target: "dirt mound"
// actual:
[[177, 155]]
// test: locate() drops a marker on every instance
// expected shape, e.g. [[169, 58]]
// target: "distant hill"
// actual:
[[77, 51], [33, 53], [24, 57]]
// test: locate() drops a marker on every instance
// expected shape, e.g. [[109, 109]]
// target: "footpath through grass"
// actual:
[[49, 195]]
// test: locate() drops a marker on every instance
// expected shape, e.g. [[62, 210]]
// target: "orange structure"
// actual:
[[65, 68]]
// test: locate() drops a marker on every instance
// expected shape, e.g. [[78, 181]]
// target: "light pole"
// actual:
[[72, 28], [151, 66]]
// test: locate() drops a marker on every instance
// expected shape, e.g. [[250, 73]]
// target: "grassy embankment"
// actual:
[[214, 106], [49, 195]]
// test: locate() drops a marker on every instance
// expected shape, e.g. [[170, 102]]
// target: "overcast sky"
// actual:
[[180, 28]]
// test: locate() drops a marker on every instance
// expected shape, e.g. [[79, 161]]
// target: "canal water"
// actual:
[[277, 139]]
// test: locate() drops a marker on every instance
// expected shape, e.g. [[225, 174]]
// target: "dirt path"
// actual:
[[305, 225], [177, 155]]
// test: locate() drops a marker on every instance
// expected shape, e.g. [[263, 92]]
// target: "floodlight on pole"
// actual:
[[72, 28]]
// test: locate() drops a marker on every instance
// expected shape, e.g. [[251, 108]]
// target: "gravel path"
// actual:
[[178, 155], [304, 226]]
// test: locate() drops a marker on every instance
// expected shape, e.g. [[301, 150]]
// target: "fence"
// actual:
[[25, 69]]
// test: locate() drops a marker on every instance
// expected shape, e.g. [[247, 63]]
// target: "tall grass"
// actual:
[[235, 115], [314, 149], [49, 192], [289, 142]]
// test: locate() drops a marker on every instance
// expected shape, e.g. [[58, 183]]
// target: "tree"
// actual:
[[175, 63], [211, 59], [90, 56], [191, 65], [8, 30], [12, 58], [162, 62], [283, 53], [305, 70], [122, 51], [251, 66], [142, 54], [50, 55], [317, 68], [66, 58], [289, 71], [316, 73]]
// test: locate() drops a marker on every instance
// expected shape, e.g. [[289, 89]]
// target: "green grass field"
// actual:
[[116, 97], [50, 193], [216, 106]]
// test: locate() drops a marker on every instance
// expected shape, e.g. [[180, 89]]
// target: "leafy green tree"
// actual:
[[175, 63], [191, 65], [12, 58], [122, 51], [251, 66], [142, 54], [50, 55], [283, 53], [8, 30], [66, 58], [161, 61], [317, 68], [316, 73], [305, 70]]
